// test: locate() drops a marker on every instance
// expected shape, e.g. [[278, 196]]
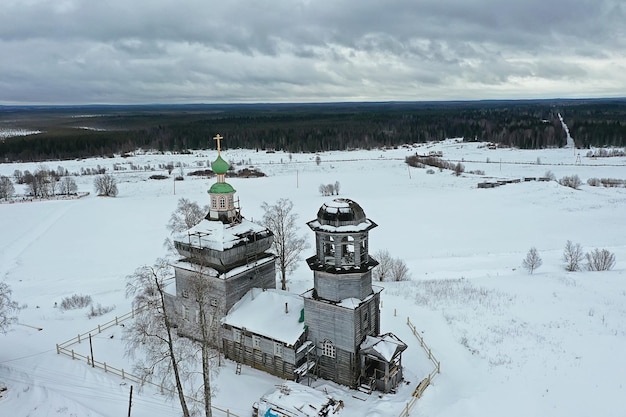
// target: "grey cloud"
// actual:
[[290, 50]]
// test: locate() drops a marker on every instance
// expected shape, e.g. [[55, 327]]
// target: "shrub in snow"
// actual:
[[572, 181], [532, 260], [550, 175], [99, 310], [75, 301], [612, 182], [600, 260], [594, 182], [430, 171]]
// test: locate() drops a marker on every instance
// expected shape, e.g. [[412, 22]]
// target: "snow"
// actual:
[[298, 400], [386, 345], [263, 312], [11, 132], [217, 235], [509, 343], [350, 228]]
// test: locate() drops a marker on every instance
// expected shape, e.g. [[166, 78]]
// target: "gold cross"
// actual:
[[218, 138]]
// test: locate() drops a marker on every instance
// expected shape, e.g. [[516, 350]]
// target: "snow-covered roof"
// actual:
[[385, 347], [349, 228], [214, 234], [263, 312]]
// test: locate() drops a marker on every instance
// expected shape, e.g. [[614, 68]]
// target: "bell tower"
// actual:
[[343, 307]]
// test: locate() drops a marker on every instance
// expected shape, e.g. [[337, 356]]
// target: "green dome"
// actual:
[[221, 188], [220, 166]]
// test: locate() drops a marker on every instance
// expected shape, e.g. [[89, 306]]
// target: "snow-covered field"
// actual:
[[509, 343]]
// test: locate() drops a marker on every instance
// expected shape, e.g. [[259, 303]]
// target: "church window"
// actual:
[[186, 293], [222, 203], [278, 349], [213, 302], [213, 202], [328, 349], [256, 342], [184, 313], [198, 316]]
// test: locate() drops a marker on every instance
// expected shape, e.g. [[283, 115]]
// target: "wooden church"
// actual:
[[331, 331]]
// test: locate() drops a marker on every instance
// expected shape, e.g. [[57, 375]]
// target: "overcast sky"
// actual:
[[206, 51]]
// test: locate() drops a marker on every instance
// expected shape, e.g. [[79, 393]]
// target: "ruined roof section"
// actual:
[[341, 215]]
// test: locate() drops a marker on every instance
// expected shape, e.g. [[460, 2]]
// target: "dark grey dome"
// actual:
[[341, 211]]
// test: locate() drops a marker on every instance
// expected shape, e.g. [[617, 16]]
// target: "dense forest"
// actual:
[[84, 131]]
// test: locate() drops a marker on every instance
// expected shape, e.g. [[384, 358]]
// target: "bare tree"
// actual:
[[67, 186], [207, 321], [399, 270], [600, 260], [327, 189], [318, 159], [385, 261], [151, 330], [105, 185], [6, 188], [337, 186], [572, 256], [287, 244], [8, 308], [532, 260], [38, 183], [459, 168], [389, 268], [187, 214]]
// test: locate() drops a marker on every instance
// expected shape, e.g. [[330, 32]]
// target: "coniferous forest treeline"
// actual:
[[85, 131]]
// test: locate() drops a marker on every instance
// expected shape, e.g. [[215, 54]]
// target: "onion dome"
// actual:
[[221, 188], [219, 166]]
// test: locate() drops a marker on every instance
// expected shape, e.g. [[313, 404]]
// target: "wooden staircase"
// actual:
[[367, 386]]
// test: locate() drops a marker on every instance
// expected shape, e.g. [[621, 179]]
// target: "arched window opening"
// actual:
[[328, 349]]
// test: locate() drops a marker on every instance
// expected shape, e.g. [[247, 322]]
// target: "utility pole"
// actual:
[[91, 350], [130, 400]]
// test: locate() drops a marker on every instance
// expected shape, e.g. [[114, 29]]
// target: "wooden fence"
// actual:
[[65, 349], [421, 387]]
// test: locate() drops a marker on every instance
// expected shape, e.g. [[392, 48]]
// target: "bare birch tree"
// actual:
[[151, 330], [8, 308], [287, 244], [572, 256], [532, 260], [67, 186], [207, 309], [187, 214], [6, 188]]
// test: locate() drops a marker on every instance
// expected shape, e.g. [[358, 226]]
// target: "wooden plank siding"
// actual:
[[224, 292], [263, 358], [343, 368], [346, 328], [336, 287]]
